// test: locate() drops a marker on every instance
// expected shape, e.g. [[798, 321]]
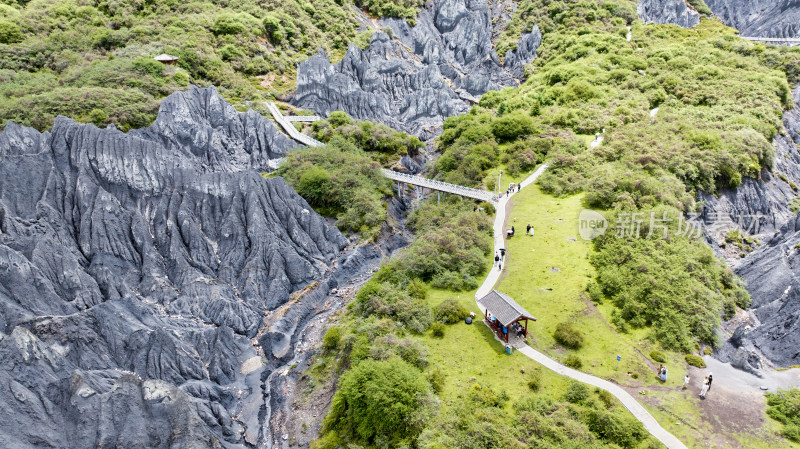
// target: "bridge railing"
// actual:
[[456, 189]]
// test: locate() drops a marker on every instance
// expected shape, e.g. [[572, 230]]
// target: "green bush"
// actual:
[[573, 361], [437, 330], [450, 311], [379, 400], [658, 356], [9, 32], [436, 377], [784, 407], [512, 126], [576, 393], [417, 289], [568, 336], [695, 360], [227, 24], [622, 430], [332, 338], [534, 381]]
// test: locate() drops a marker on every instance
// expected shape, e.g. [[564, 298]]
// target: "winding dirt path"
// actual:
[[638, 411]]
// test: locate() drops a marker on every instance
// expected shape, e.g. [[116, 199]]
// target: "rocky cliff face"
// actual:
[[760, 18], [762, 207], [144, 278], [661, 12], [429, 72]]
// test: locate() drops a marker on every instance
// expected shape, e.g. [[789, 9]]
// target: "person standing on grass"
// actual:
[[686, 382], [528, 229]]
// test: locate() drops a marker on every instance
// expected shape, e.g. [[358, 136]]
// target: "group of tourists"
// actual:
[[499, 257], [529, 230], [706, 385], [513, 188], [662, 373]]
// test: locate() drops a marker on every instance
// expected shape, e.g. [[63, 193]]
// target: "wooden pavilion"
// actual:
[[166, 59], [502, 313]]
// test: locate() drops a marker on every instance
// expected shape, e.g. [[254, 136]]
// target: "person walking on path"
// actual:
[[704, 390], [710, 378], [497, 259]]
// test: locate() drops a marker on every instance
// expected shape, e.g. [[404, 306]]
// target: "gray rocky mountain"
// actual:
[[676, 12], [769, 329], [753, 18], [145, 279], [760, 18], [426, 73]]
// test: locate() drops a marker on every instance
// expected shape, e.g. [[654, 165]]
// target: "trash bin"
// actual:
[[508, 349]]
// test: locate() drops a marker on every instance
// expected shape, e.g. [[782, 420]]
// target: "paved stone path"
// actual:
[[638, 411]]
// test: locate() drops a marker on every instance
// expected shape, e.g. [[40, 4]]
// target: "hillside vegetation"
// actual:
[[720, 100], [92, 60]]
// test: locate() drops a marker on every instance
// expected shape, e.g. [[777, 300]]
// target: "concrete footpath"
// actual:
[[638, 411]]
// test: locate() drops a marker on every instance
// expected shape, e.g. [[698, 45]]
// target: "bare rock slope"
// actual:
[[760, 18], [429, 72], [661, 12], [139, 275]]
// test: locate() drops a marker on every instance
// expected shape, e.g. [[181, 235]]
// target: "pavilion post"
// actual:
[[526, 327]]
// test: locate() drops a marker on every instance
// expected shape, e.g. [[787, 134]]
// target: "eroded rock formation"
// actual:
[[770, 328], [429, 72], [760, 18], [676, 12], [141, 273]]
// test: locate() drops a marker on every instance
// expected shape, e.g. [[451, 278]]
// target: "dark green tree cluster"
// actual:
[[674, 285], [784, 407], [93, 61], [342, 181], [386, 143]]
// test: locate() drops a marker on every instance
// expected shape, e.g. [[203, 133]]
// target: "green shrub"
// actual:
[[695, 360], [450, 311], [437, 330], [339, 118], [784, 407], [227, 24], [417, 289], [658, 356], [573, 361], [332, 338], [576, 393], [568, 336], [181, 78], [512, 126], [379, 400], [9, 32], [436, 377], [622, 430], [534, 381]]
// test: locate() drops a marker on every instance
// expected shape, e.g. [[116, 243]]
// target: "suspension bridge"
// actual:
[[439, 186]]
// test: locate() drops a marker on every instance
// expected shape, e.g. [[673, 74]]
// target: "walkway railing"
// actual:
[[468, 192], [302, 118], [290, 129], [785, 40]]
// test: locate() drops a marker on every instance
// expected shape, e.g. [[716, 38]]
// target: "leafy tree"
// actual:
[[450, 311], [227, 24], [9, 32], [380, 401]]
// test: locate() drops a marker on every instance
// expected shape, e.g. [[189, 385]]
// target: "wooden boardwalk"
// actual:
[[290, 129], [637, 410]]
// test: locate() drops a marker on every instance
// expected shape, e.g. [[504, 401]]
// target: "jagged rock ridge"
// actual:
[[760, 18], [771, 273], [676, 12], [135, 274], [431, 71]]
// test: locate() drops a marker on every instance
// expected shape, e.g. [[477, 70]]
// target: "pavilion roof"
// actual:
[[163, 57], [504, 308]]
